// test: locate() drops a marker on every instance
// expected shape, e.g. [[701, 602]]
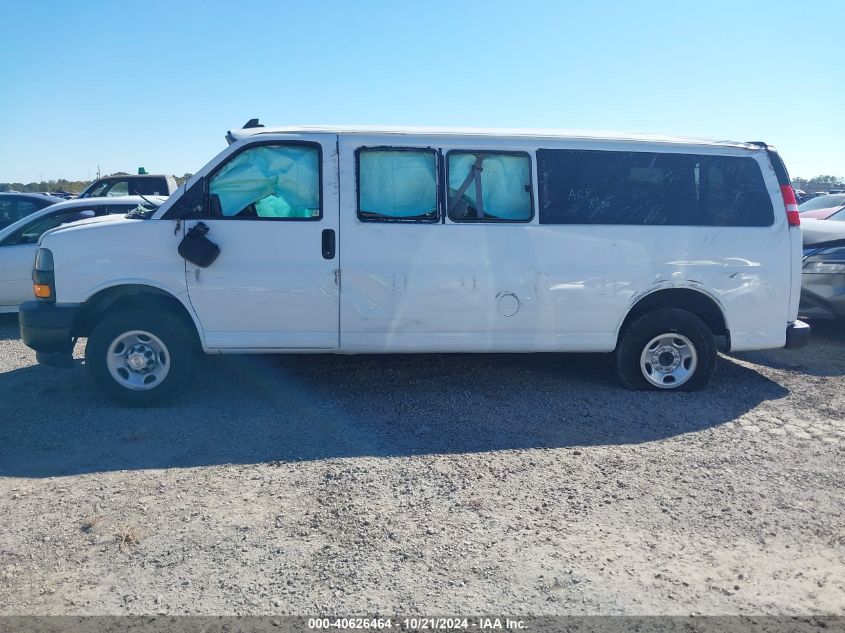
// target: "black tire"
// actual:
[[641, 331], [180, 354]]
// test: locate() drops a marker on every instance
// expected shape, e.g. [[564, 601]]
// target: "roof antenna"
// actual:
[[252, 123]]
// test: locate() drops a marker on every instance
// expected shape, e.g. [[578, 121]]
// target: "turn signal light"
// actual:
[[42, 291]]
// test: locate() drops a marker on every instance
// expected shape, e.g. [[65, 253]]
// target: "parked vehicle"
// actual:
[[19, 241], [810, 196], [14, 206], [128, 185], [364, 241], [822, 207], [823, 268]]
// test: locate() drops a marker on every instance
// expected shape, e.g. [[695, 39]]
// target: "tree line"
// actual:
[[818, 180], [62, 184]]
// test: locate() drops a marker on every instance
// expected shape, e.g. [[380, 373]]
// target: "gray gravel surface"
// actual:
[[429, 484]]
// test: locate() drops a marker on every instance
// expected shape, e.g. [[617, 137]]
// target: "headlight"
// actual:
[[823, 267], [830, 260], [43, 279]]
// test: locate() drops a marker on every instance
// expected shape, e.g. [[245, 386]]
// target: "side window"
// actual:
[[7, 211], [489, 187], [273, 182], [397, 184], [26, 207], [646, 188], [148, 187], [32, 232], [119, 188]]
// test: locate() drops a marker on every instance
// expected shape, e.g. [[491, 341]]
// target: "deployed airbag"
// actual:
[[282, 181], [400, 184]]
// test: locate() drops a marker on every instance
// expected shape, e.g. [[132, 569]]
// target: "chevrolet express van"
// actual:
[[356, 240]]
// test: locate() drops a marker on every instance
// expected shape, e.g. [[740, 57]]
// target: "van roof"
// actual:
[[555, 134]]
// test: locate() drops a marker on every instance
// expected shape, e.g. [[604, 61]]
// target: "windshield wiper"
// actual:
[[140, 213]]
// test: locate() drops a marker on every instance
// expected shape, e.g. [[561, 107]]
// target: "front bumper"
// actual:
[[822, 296], [797, 335], [46, 328]]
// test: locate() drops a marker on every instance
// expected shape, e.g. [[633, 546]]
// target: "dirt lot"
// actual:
[[427, 485]]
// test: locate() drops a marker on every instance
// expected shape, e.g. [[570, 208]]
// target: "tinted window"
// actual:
[[269, 181], [31, 232], [397, 184], [148, 187], [597, 187], [489, 186], [7, 211], [13, 208]]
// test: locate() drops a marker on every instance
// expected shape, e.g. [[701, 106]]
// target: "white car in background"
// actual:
[[19, 241]]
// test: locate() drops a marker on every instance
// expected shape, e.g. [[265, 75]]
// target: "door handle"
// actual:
[[328, 244]]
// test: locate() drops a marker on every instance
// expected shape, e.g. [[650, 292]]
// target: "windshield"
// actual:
[[823, 202]]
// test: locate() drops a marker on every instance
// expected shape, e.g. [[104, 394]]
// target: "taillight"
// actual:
[[793, 218]]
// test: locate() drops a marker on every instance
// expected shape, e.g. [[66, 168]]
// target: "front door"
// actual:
[[272, 208]]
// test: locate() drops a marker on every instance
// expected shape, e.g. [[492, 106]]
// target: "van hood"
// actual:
[[91, 223], [820, 231]]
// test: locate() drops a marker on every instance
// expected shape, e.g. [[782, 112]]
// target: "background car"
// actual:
[[14, 206], [822, 207], [19, 241], [823, 268], [131, 185], [809, 196]]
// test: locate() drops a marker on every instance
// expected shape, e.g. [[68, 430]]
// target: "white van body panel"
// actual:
[[474, 287], [93, 256], [444, 287]]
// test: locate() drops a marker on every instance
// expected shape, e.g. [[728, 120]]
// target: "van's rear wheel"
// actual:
[[140, 357], [668, 349]]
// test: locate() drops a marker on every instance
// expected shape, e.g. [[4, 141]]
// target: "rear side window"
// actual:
[[489, 186], [644, 188], [148, 187], [397, 184], [273, 182]]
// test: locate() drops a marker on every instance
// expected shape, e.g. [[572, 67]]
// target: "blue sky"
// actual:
[[158, 83]]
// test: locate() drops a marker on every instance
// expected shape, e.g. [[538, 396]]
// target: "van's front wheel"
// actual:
[[667, 349], [140, 357]]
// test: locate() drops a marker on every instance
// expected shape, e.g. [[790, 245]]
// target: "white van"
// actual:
[[392, 241]]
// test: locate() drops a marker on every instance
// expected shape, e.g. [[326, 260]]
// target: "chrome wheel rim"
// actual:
[[668, 360], [138, 360]]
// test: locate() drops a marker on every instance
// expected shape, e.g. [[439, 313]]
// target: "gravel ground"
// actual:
[[429, 484]]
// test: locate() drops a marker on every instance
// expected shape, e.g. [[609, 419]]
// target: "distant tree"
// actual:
[[801, 183]]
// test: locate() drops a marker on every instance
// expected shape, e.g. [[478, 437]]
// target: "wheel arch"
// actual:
[[698, 302], [126, 296]]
